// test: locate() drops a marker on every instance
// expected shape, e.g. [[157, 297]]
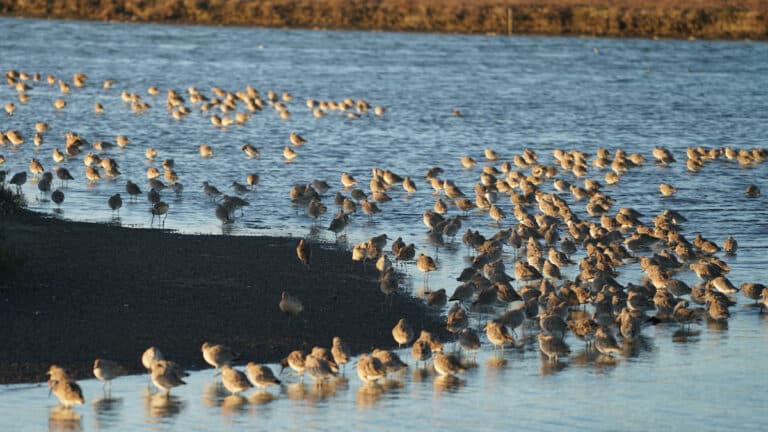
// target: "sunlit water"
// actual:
[[540, 93]]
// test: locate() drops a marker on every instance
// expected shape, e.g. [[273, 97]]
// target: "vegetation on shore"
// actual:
[[712, 19]]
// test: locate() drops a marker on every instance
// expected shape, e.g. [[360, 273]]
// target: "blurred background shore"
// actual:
[[707, 19]]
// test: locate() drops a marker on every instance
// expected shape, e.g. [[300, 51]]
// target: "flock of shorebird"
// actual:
[[549, 232]]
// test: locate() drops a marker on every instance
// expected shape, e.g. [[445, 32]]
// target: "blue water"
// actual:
[[513, 93]]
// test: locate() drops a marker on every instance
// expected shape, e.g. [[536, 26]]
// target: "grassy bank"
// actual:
[[711, 19]]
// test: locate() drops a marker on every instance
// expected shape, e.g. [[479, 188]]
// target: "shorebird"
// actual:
[[447, 364], [92, 174], [469, 341], [250, 151], [752, 191], [663, 156], [667, 189], [107, 370], [685, 316], [218, 355], [425, 264], [498, 334], [234, 380], [339, 223], [150, 354], [160, 209], [437, 299], [115, 202], [290, 305], [467, 162], [296, 361], [421, 351], [584, 329], [490, 154], [122, 141], [402, 333], [64, 387], [261, 376], [730, 245], [369, 208], [206, 151], [211, 190], [57, 197], [347, 180], [753, 291], [496, 214], [132, 189], [340, 352], [319, 369], [58, 156], [167, 375], [18, 180], [409, 186], [297, 139], [152, 173], [370, 369], [391, 361], [289, 154], [35, 167], [304, 252], [44, 185], [553, 347], [605, 342]]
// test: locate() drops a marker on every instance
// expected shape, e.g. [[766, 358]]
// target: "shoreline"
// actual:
[[90, 290], [675, 19]]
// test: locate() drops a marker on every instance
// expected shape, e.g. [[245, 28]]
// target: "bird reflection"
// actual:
[[496, 362], [296, 390], [163, 406], [321, 390], [631, 348], [717, 325], [393, 384], [584, 357], [547, 367], [448, 383], [684, 335], [233, 404], [420, 374], [64, 419], [213, 394], [341, 383], [107, 411], [262, 397], [369, 394], [605, 362]]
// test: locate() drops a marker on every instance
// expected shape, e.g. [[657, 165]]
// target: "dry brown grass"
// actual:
[[615, 18]]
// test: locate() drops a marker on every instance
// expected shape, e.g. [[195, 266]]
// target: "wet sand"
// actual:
[[95, 290]]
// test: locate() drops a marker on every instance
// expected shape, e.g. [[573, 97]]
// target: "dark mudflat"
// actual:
[[95, 290]]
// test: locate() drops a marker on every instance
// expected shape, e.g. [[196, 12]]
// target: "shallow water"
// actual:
[[540, 93]]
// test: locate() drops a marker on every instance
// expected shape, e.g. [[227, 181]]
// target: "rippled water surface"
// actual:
[[514, 93]]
